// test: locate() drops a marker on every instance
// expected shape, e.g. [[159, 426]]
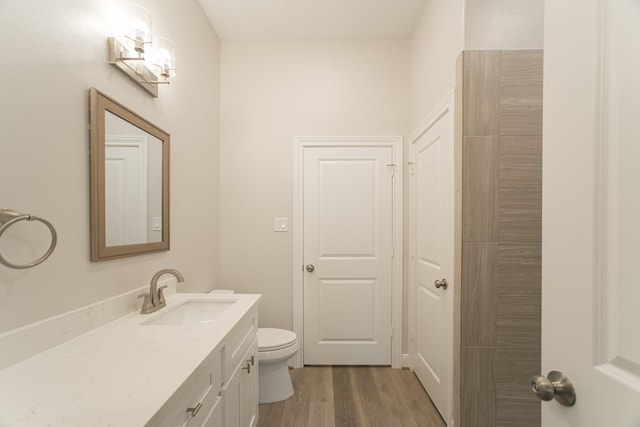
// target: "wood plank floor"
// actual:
[[337, 396]]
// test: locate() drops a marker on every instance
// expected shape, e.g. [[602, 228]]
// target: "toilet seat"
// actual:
[[271, 339]]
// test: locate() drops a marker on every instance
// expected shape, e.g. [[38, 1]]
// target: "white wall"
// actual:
[[54, 52], [435, 45], [271, 92], [504, 24], [446, 27]]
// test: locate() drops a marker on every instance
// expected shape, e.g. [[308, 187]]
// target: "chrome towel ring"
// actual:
[[8, 218]]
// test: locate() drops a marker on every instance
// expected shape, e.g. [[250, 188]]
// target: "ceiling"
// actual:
[[305, 20]]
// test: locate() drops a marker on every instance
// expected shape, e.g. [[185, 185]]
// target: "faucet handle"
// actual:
[[147, 305], [161, 301]]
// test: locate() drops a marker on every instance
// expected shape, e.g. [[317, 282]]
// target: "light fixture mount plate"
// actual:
[[136, 69]]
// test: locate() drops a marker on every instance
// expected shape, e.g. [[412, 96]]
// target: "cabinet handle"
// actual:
[[248, 367], [194, 411], [252, 360]]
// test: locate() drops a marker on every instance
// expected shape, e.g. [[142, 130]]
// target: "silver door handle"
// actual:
[[555, 385], [441, 284], [310, 268]]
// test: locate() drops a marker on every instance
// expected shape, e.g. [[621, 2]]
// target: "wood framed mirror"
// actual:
[[129, 163]]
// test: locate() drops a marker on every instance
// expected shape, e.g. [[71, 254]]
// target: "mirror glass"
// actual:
[[129, 182]]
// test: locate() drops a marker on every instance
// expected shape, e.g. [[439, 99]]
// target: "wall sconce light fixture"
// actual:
[[137, 57]]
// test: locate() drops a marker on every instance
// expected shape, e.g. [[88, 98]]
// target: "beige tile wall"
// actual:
[[499, 169]]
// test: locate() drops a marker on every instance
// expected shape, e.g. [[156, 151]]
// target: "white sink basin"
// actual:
[[193, 312]]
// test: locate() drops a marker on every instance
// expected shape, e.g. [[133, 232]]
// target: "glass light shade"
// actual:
[[165, 57], [139, 27]]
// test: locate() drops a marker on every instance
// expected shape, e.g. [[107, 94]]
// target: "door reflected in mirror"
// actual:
[[129, 182], [133, 178]]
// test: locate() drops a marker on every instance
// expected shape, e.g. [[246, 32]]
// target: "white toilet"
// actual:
[[275, 348]]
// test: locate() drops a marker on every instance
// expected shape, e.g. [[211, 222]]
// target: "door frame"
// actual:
[[300, 143], [445, 107]]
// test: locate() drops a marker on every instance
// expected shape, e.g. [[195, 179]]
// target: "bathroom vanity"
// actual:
[[193, 363]]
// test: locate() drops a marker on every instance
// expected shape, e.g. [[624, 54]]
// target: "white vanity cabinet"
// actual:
[[135, 371], [240, 393], [223, 390], [240, 389]]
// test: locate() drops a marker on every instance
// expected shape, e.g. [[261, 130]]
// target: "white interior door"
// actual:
[[348, 239], [431, 257], [125, 190], [591, 208]]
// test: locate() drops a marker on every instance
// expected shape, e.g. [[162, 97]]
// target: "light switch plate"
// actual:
[[157, 223], [280, 223]]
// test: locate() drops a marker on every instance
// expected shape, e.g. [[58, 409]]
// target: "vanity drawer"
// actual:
[[210, 411], [201, 388], [238, 341]]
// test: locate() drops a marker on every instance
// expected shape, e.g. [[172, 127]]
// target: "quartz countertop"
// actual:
[[119, 374]]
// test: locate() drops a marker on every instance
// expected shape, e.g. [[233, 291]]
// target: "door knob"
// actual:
[[441, 283], [310, 268], [555, 385]]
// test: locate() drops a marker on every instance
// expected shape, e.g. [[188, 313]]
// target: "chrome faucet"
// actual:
[[154, 299]]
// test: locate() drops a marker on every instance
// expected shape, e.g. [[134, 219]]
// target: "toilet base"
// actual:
[[275, 382]]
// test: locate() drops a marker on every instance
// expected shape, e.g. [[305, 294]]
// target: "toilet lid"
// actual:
[[272, 339]]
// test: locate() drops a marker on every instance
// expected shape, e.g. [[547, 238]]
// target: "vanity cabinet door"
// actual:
[[231, 400], [239, 340], [240, 393], [249, 389]]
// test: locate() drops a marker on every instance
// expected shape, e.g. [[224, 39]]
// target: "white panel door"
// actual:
[[432, 191], [591, 210], [347, 227], [125, 190]]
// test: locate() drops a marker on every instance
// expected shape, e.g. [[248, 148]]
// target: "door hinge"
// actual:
[[392, 167]]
